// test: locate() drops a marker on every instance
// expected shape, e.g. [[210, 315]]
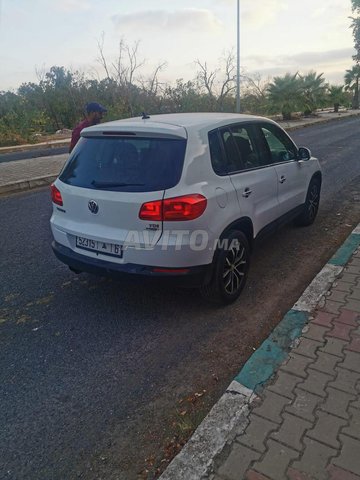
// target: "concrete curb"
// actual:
[[229, 416], [24, 185], [35, 146], [226, 418], [319, 121]]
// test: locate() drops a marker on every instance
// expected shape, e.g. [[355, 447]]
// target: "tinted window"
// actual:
[[232, 153], [240, 148], [218, 160], [243, 140], [281, 147], [125, 164]]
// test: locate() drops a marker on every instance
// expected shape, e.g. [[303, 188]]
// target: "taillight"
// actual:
[[151, 211], [56, 195], [187, 207]]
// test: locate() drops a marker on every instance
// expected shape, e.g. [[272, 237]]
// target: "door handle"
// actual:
[[282, 179], [247, 192]]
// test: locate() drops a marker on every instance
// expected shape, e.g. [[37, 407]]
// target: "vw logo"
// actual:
[[93, 206]]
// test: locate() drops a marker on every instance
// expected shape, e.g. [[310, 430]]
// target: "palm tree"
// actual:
[[313, 90], [336, 96], [355, 25], [352, 78], [285, 94]]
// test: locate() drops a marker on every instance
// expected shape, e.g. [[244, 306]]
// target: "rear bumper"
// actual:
[[187, 277]]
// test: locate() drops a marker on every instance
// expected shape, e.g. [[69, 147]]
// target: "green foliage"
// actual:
[[285, 95], [355, 24], [294, 93], [185, 97], [352, 78], [313, 91], [336, 96], [254, 95], [19, 122]]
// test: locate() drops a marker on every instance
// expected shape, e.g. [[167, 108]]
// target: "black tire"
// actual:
[[308, 215], [230, 269]]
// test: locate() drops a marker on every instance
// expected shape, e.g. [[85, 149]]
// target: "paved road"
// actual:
[[92, 371], [337, 146]]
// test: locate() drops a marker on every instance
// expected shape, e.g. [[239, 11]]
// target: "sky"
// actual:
[[277, 36]]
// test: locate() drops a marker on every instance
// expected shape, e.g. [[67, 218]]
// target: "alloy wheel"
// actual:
[[313, 201], [234, 269]]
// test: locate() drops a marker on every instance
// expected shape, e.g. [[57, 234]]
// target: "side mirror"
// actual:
[[304, 153]]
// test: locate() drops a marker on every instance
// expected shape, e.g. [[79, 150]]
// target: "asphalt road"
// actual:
[[94, 373]]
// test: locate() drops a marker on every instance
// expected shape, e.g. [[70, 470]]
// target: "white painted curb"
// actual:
[[25, 185], [317, 288], [356, 230], [227, 419]]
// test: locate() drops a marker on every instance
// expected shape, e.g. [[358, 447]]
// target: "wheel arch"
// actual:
[[245, 225], [317, 176]]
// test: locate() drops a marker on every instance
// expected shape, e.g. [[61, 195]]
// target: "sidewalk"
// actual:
[[21, 175], [305, 423]]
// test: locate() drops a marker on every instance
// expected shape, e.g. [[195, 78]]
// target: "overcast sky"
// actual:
[[276, 35]]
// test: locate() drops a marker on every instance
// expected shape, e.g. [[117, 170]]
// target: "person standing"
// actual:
[[94, 114]]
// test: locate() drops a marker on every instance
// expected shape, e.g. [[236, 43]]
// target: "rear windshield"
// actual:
[[125, 164]]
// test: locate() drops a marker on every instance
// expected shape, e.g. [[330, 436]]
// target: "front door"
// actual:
[[291, 174], [255, 182]]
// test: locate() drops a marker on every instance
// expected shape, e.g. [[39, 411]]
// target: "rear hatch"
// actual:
[[109, 176]]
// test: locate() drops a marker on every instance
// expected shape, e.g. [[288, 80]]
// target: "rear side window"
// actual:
[[218, 160], [125, 164]]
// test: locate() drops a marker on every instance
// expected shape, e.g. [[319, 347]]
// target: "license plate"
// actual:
[[113, 249]]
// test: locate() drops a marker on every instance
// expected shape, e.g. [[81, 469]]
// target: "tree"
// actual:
[[352, 78], [285, 95], [60, 92], [218, 84], [20, 118], [313, 89], [184, 97], [356, 28], [335, 95], [254, 94], [152, 90], [131, 93]]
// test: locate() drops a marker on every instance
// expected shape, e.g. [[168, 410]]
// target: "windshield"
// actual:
[[125, 164]]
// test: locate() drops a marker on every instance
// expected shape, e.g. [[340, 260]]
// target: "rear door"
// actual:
[[255, 182], [107, 180]]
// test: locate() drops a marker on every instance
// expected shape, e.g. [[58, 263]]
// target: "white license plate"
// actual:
[[112, 249]]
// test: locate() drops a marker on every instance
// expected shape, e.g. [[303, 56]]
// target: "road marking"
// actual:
[[264, 362], [343, 255]]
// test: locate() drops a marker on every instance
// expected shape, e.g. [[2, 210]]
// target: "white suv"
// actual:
[[180, 196]]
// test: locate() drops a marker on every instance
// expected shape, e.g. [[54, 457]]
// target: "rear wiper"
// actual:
[[114, 184]]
